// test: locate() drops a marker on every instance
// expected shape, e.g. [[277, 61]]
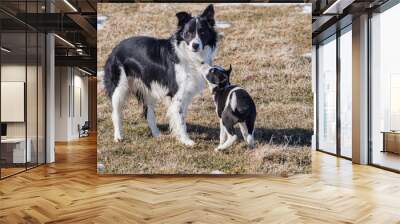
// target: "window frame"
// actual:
[[338, 34]]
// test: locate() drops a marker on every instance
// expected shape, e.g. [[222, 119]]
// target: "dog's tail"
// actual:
[[112, 73]]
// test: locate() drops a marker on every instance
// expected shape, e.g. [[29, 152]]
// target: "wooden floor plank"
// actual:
[[70, 191]]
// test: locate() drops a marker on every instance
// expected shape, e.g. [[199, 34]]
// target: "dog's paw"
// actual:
[[250, 142], [118, 139], [219, 148], [156, 134], [188, 142], [251, 146]]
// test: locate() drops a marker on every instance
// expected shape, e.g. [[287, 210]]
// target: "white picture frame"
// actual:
[[12, 101]]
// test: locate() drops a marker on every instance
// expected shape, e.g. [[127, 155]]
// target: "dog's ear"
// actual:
[[183, 18], [229, 70], [208, 14]]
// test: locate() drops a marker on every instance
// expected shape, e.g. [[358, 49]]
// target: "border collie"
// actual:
[[162, 70], [233, 105]]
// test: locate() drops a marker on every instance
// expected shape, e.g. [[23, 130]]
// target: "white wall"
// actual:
[[11, 73], [314, 90], [33, 126], [17, 73], [62, 81], [80, 84], [69, 82]]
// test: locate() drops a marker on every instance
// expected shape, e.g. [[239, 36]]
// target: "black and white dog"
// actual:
[[233, 105], [162, 69]]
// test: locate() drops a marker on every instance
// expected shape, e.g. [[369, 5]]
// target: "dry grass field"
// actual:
[[270, 51]]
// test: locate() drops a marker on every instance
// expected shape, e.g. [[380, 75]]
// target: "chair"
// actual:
[[84, 130]]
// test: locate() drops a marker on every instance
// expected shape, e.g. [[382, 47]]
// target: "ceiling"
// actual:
[[74, 22], [16, 42], [331, 15]]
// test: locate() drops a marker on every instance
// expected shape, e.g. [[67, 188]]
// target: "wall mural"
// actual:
[[204, 89]]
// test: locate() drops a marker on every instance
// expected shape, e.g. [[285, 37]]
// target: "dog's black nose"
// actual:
[[195, 46]]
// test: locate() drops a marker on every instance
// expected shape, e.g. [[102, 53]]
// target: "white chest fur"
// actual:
[[189, 80], [188, 75]]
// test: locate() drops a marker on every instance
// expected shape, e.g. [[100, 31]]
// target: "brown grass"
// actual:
[[266, 46]]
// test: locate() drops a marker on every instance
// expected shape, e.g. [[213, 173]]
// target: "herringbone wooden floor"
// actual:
[[70, 191]]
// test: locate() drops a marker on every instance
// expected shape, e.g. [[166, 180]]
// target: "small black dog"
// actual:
[[233, 105]]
